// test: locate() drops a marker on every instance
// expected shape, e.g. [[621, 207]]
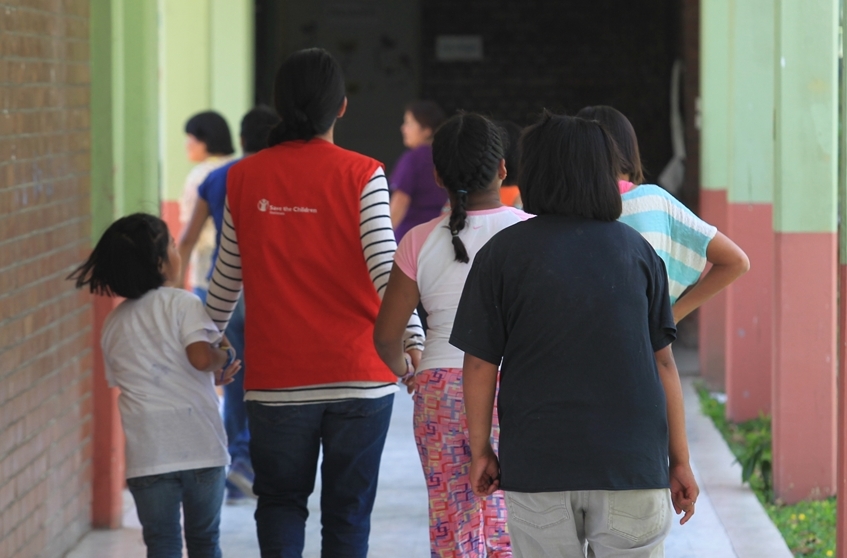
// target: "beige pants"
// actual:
[[592, 523]]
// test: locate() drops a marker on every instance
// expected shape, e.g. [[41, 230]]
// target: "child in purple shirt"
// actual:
[[415, 197]]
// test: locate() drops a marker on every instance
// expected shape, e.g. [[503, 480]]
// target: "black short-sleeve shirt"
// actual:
[[575, 309]]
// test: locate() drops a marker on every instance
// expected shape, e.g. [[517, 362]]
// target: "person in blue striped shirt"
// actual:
[[683, 241]]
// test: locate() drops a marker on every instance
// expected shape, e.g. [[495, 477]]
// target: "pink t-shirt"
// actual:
[[625, 186], [426, 255]]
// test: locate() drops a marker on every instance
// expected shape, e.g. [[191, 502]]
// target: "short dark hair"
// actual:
[[569, 166], [466, 151], [308, 92], [623, 133], [127, 257], [428, 114], [211, 128], [255, 127], [511, 133]]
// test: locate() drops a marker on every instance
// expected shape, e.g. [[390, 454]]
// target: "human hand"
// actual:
[[484, 473], [684, 491], [226, 376], [415, 355]]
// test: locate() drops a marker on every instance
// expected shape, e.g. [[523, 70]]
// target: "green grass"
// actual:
[[808, 527]]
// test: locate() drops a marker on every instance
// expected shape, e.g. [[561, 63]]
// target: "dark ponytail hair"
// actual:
[[623, 133], [127, 257], [308, 91], [467, 150]]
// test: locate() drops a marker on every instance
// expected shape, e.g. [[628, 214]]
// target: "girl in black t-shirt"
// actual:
[[575, 305]]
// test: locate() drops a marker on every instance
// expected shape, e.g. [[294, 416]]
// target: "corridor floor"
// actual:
[[729, 522]]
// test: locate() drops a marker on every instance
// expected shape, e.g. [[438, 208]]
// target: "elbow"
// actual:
[[200, 359], [742, 264]]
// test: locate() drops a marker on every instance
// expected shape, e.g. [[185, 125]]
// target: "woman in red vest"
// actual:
[[307, 234]]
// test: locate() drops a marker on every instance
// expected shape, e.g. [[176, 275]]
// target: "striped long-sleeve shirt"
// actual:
[[378, 247]]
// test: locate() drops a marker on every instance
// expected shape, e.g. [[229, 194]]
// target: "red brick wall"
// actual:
[[45, 324]]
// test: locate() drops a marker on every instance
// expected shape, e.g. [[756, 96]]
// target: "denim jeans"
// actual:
[[284, 446], [157, 500], [235, 413]]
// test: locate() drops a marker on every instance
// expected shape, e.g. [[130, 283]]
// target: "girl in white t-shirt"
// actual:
[[160, 348], [430, 267]]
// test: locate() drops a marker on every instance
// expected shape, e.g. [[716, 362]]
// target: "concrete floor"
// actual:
[[729, 522]]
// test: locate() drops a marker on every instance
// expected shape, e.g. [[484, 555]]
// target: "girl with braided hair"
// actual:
[[430, 267]]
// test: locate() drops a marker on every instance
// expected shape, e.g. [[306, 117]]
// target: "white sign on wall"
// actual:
[[458, 48]]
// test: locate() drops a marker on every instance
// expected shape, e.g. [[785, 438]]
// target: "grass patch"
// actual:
[[808, 527]]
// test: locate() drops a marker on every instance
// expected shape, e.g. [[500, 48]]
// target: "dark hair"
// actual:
[[127, 257], [308, 91], [211, 128], [466, 150], [623, 133], [569, 166], [255, 127], [427, 113], [511, 133]]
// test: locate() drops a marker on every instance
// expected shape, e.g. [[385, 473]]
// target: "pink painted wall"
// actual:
[[749, 313], [804, 380]]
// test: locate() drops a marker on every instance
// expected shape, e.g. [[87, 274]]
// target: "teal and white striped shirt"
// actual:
[[679, 237]]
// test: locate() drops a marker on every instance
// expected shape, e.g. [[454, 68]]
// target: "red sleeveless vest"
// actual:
[[310, 303]]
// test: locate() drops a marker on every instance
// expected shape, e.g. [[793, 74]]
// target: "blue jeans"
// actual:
[[157, 500], [235, 413], [284, 445]]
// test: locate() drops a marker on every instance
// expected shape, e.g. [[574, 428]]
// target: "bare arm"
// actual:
[[684, 489], [190, 235], [398, 304], [729, 262], [400, 202], [479, 383], [204, 357]]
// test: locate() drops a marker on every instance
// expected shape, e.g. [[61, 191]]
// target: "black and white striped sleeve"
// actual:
[[225, 286], [378, 245]]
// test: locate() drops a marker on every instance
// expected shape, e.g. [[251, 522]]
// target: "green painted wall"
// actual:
[[206, 62], [806, 116], [184, 88], [124, 131], [135, 105], [752, 51], [231, 68], [714, 96]]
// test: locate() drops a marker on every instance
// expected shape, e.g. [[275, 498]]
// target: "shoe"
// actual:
[[235, 497], [241, 475]]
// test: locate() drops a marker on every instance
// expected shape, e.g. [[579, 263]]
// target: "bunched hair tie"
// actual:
[[454, 233], [462, 192]]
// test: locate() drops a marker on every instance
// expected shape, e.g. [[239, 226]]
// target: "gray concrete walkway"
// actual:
[[729, 522]]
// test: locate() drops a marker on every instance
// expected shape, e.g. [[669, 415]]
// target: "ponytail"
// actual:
[[467, 150], [308, 93], [458, 216]]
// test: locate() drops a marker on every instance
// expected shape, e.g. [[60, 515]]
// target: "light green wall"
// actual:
[[231, 68], [124, 129], [842, 149], [751, 101], [184, 60], [714, 96], [206, 62], [806, 116]]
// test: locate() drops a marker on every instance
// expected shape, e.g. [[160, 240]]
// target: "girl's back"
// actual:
[[168, 408], [426, 256]]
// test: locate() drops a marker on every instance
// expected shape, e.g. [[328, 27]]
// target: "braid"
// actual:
[[466, 150], [458, 216]]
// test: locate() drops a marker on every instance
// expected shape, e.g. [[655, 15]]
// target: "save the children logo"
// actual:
[[266, 206]]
